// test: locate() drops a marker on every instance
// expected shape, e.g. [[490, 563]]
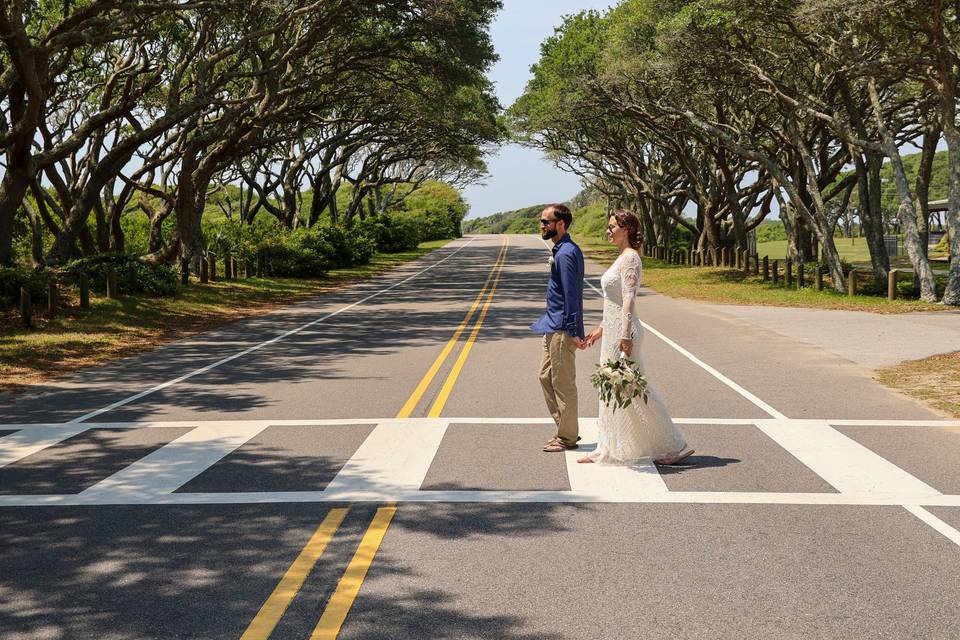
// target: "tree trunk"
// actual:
[[36, 235], [191, 194], [12, 190], [871, 215], [906, 213], [951, 295]]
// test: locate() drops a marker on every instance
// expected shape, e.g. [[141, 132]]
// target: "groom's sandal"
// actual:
[[557, 445]]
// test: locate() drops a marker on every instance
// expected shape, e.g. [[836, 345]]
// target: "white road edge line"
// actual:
[[703, 365], [942, 527], [240, 354]]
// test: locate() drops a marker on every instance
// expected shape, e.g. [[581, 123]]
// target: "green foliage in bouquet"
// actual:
[[618, 382]]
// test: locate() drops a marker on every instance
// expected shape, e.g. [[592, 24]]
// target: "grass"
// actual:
[[731, 286], [853, 250], [109, 329], [934, 381]]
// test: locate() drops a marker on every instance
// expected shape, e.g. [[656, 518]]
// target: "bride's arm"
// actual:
[[629, 282]]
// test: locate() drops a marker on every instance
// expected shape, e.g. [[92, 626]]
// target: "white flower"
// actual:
[[550, 261]]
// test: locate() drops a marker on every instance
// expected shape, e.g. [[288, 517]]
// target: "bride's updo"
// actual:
[[629, 221]]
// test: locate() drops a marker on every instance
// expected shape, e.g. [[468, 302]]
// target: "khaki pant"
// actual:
[[558, 377]]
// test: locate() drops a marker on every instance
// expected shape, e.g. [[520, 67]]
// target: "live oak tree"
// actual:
[[110, 105], [736, 104]]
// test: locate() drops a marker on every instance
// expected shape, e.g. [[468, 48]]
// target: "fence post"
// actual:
[[26, 308], [227, 260], [800, 276], [756, 264], [112, 283], [261, 264], [212, 260], [204, 270], [776, 272], [84, 291], [892, 285], [788, 271], [766, 268], [852, 283], [184, 271], [51, 298], [236, 268], [819, 278]]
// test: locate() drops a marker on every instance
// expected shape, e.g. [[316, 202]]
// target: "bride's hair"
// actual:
[[628, 220]]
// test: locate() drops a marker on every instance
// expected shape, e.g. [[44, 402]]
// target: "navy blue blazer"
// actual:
[[564, 292]]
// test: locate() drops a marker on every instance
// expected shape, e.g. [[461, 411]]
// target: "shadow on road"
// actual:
[[204, 571], [424, 311], [696, 462]]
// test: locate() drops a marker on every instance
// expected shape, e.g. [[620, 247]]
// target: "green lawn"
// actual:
[[109, 329], [853, 250]]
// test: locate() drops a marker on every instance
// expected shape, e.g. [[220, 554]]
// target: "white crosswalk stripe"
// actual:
[[393, 461]]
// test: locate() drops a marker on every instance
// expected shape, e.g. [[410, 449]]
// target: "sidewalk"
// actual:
[[869, 339]]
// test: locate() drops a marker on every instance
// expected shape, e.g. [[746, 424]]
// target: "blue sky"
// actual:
[[521, 177]]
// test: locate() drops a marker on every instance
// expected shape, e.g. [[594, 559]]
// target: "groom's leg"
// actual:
[[563, 356], [546, 378]]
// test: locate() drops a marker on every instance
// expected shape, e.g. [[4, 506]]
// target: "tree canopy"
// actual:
[[108, 104], [730, 106]]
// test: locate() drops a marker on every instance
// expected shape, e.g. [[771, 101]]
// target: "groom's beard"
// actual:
[[549, 234]]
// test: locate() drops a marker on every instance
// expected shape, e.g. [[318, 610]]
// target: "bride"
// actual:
[[641, 430]]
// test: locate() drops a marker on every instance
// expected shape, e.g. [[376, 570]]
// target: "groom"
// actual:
[[562, 327]]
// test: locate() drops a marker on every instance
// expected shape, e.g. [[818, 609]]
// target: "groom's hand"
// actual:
[[580, 342]]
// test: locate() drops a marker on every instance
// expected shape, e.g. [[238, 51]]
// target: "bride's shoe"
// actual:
[[585, 460], [686, 453]]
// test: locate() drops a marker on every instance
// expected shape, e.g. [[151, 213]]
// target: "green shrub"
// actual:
[[12, 279], [395, 232], [363, 245], [300, 254], [771, 231], [439, 210], [151, 279]]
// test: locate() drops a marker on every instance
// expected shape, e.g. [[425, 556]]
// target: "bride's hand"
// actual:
[[595, 335], [626, 346]]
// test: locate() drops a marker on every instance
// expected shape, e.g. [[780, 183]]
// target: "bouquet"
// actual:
[[619, 380]]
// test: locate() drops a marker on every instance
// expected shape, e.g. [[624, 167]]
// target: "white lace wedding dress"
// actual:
[[641, 430]]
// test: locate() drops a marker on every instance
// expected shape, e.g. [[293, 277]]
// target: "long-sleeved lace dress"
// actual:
[[641, 430]]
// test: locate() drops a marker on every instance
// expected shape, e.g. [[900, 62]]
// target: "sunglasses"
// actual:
[[545, 223]]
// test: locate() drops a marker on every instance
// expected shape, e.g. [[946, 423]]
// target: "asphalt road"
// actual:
[[367, 465]]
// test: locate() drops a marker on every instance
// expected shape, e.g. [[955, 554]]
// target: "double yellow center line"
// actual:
[[342, 599], [488, 291], [348, 587]]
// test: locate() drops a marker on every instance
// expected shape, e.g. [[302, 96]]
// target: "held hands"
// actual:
[[592, 337]]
